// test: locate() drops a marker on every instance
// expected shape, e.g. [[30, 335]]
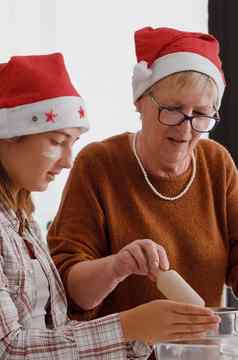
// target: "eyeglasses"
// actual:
[[172, 117]]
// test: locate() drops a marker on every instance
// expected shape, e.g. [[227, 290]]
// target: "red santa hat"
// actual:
[[36, 96], [165, 51]]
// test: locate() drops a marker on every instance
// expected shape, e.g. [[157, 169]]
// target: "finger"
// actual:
[[163, 258], [139, 259], [152, 256], [196, 319], [187, 336], [190, 328], [189, 309], [155, 254]]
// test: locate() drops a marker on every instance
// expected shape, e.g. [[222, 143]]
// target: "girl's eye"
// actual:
[[55, 142]]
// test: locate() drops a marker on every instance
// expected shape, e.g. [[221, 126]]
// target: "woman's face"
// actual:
[[33, 161], [174, 143]]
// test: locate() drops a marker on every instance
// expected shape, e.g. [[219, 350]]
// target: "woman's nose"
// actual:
[[185, 127], [187, 111]]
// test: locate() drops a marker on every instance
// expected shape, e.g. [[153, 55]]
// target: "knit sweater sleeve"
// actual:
[[68, 242], [232, 223]]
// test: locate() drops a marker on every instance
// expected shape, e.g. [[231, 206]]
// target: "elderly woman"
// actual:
[[135, 203]]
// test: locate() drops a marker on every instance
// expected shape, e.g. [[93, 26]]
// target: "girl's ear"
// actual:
[[4, 143], [10, 140], [4, 146], [14, 139]]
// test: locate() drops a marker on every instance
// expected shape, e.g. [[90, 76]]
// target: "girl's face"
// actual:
[[33, 161]]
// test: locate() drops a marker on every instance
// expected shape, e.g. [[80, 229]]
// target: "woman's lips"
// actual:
[[178, 141]]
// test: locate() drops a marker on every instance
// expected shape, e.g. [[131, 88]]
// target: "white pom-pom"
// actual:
[[141, 71]]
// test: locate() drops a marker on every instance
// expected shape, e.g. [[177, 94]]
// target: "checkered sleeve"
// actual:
[[96, 339], [103, 338]]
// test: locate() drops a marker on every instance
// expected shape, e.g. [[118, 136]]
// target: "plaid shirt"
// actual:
[[65, 339]]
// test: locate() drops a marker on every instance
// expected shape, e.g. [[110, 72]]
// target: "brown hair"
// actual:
[[23, 201]]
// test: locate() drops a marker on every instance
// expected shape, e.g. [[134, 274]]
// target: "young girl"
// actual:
[[41, 116]]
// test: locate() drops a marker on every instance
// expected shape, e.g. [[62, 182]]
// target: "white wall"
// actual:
[[96, 38]]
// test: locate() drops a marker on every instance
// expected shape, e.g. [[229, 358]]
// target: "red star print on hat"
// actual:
[[81, 112], [50, 116]]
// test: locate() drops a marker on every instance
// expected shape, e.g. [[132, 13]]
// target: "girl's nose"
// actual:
[[66, 160]]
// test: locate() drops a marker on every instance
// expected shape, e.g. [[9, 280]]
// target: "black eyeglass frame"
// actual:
[[185, 116]]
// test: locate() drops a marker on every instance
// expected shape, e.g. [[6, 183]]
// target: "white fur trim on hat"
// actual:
[[174, 63], [43, 116], [141, 71]]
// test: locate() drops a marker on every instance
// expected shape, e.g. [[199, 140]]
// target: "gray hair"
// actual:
[[189, 79]]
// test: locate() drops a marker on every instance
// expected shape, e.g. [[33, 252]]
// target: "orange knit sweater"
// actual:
[[107, 204]]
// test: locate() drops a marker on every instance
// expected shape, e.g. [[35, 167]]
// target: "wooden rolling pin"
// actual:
[[175, 288]]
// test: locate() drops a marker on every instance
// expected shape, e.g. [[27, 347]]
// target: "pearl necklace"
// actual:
[[152, 186]]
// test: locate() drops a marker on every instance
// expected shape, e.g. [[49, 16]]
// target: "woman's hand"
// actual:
[[164, 320], [141, 257]]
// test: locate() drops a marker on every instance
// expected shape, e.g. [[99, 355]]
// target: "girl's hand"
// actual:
[[164, 320]]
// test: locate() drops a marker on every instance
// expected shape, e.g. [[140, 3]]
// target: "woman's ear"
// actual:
[[138, 105], [141, 106]]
